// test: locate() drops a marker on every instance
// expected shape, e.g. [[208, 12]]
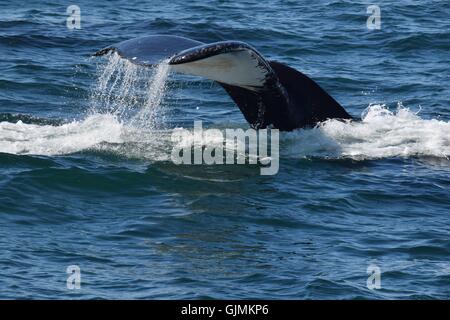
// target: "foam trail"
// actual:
[[127, 109], [380, 134], [21, 138]]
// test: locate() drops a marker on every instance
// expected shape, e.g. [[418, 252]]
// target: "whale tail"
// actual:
[[268, 93]]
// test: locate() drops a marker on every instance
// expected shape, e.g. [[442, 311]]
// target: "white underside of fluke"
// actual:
[[238, 68]]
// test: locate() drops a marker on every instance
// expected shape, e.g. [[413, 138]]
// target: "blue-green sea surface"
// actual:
[[86, 177]]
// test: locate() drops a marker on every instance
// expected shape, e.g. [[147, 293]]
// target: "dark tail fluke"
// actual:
[[306, 97], [268, 93]]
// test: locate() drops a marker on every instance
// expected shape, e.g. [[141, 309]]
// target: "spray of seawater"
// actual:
[[126, 116], [151, 114], [381, 133], [132, 93], [127, 112]]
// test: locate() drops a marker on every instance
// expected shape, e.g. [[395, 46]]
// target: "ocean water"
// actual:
[[87, 180]]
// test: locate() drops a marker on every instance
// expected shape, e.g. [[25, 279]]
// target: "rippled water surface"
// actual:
[[87, 180]]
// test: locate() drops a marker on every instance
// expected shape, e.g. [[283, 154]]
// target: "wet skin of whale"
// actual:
[[268, 93]]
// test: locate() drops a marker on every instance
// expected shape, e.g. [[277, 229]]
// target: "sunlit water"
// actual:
[[87, 178]]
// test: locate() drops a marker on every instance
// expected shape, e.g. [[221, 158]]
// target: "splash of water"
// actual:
[[127, 115], [132, 93], [24, 138], [381, 134], [151, 112]]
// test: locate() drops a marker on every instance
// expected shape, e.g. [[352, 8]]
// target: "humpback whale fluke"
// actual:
[[268, 93]]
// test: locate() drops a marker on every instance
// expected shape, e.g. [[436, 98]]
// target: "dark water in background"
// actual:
[[77, 188]]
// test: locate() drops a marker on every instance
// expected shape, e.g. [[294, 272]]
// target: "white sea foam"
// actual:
[[21, 138], [127, 112], [380, 134]]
